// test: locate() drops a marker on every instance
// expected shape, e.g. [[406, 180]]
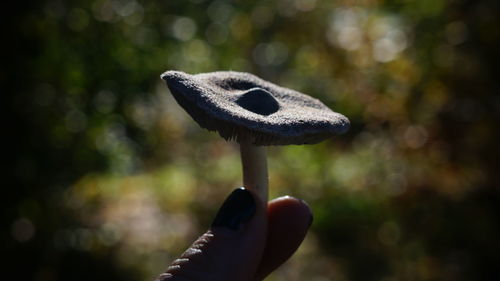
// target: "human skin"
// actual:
[[254, 249]]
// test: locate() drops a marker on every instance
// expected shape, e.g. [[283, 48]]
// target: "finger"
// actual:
[[231, 249], [288, 221]]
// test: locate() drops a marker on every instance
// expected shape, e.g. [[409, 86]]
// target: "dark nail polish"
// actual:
[[238, 208], [311, 219]]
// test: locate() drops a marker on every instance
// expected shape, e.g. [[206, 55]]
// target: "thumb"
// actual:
[[231, 249]]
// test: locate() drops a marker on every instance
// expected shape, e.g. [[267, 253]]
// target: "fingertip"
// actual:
[[288, 206], [289, 219], [233, 246]]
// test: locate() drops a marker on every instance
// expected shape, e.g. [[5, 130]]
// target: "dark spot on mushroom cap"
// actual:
[[258, 101], [243, 107]]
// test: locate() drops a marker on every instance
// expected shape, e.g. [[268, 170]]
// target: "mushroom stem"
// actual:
[[254, 162]]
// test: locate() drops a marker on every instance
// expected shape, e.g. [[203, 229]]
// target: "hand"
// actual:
[[245, 242]]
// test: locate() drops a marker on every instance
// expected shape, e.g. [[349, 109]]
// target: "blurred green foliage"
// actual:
[[109, 179]]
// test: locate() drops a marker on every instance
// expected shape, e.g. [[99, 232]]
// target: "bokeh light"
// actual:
[[112, 179]]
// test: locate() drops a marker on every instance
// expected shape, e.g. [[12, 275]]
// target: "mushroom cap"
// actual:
[[243, 107]]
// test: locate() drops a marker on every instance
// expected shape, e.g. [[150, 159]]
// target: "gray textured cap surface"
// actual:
[[243, 107]]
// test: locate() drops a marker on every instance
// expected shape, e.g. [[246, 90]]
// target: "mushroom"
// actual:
[[255, 113]]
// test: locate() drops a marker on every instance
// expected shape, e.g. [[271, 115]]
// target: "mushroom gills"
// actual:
[[227, 130], [255, 111]]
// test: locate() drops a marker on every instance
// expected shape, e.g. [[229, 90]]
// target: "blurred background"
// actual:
[[109, 179]]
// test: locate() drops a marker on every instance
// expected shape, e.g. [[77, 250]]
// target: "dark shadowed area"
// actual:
[[109, 179]]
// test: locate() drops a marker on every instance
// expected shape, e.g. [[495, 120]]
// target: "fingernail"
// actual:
[[238, 208], [311, 217]]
